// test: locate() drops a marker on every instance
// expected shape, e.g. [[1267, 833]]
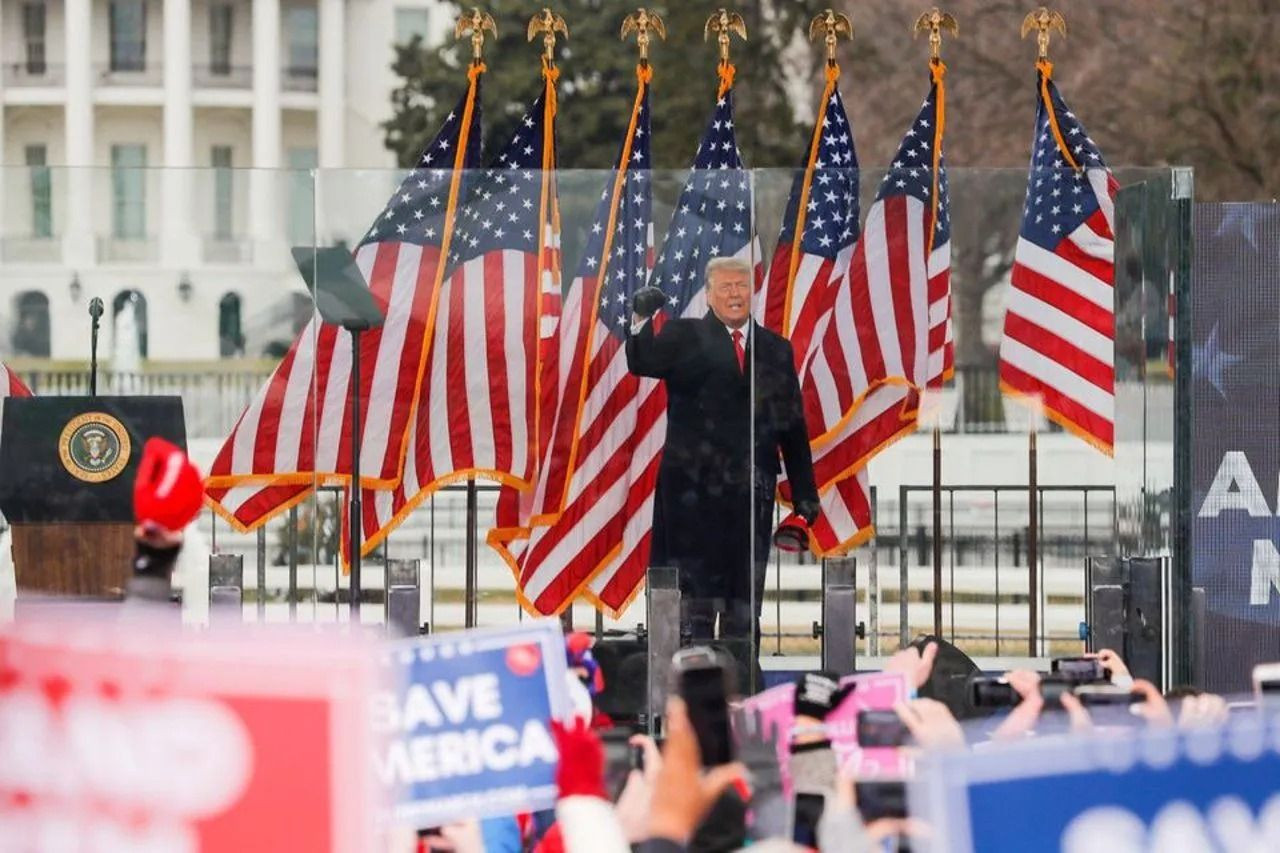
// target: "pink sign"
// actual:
[[876, 691]]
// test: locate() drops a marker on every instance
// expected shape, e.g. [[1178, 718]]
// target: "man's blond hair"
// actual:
[[732, 264]]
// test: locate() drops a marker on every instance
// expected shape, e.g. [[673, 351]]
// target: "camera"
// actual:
[[1080, 670]]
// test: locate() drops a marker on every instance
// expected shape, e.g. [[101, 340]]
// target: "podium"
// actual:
[[67, 466]]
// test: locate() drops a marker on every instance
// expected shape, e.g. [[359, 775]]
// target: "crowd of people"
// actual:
[[670, 802]]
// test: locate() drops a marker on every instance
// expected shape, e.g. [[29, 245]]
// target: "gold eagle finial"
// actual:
[[1044, 20], [723, 22], [830, 26], [934, 22], [475, 23], [643, 23], [548, 23]]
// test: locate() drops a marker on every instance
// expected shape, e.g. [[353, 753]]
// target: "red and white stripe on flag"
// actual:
[[296, 433], [1058, 350]]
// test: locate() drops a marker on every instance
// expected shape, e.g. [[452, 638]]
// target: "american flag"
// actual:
[[1059, 328], [11, 386], [800, 290], [296, 432], [479, 389], [713, 218], [579, 519], [888, 336]]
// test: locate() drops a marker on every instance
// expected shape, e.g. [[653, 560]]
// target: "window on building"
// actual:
[[128, 23], [302, 24], [302, 196], [230, 334], [31, 332], [222, 192], [128, 192], [33, 34], [37, 157], [220, 29], [412, 21]]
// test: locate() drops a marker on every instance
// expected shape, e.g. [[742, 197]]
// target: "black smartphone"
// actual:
[[1080, 670], [1098, 695], [808, 811], [881, 728], [637, 758], [704, 681], [881, 799], [617, 760], [992, 691]]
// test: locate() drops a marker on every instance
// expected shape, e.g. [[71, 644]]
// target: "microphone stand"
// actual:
[[95, 312]]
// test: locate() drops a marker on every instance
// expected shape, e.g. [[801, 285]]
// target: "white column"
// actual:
[[264, 212], [78, 240], [331, 127], [179, 243]]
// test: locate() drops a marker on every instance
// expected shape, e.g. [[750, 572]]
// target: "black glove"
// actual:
[[819, 693], [647, 301], [808, 510]]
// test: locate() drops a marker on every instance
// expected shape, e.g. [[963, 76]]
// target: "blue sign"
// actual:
[[1152, 790], [466, 732]]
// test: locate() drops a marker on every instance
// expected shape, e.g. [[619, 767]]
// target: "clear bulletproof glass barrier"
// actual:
[[203, 300]]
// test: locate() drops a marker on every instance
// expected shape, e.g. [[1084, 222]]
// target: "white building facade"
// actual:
[[238, 100]]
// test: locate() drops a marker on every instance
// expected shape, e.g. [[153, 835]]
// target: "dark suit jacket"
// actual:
[[707, 461]]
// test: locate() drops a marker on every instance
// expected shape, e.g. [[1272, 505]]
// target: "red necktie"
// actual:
[[739, 351]]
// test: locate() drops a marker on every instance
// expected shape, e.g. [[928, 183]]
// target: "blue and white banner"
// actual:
[[466, 732], [1132, 792], [1235, 452]]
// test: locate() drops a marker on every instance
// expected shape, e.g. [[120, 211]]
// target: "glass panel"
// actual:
[[302, 28], [223, 209], [220, 31], [302, 194], [41, 192], [128, 191], [33, 34], [128, 23], [412, 22]]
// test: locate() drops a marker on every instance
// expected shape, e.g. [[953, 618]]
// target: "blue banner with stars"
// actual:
[[1236, 436]]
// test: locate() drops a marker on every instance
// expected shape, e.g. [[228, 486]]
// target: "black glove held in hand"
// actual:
[[819, 693], [647, 301], [808, 510]]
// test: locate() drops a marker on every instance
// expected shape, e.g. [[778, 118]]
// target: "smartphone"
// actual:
[[881, 728], [1266, 684], [637, 758], [617, 760], [704, 680], [1080, 670], [992, 691], [881, 799], [804, 826], [1098, 695]]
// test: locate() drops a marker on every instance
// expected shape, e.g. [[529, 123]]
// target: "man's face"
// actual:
[[729, 296]]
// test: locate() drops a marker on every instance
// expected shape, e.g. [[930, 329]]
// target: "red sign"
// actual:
[[129, 738]]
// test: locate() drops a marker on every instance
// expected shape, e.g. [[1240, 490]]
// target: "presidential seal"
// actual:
[[94, 447]]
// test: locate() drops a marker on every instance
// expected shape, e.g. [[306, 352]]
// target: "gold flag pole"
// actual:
[[644, 24], [474, 24], [934, 22], [548, 23], [723, 22], [830, 26], [1043, 21]]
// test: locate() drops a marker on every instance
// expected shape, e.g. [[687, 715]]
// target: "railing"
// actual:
[[299, 79], [128, 249], [227, 250], [148, 74], [222, 76], [211, 402], [29, 250], [33, 74]]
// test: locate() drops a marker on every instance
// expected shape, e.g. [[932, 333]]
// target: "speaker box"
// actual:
[[623, 660]]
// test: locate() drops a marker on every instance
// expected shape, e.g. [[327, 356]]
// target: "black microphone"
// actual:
[[95, 311]]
